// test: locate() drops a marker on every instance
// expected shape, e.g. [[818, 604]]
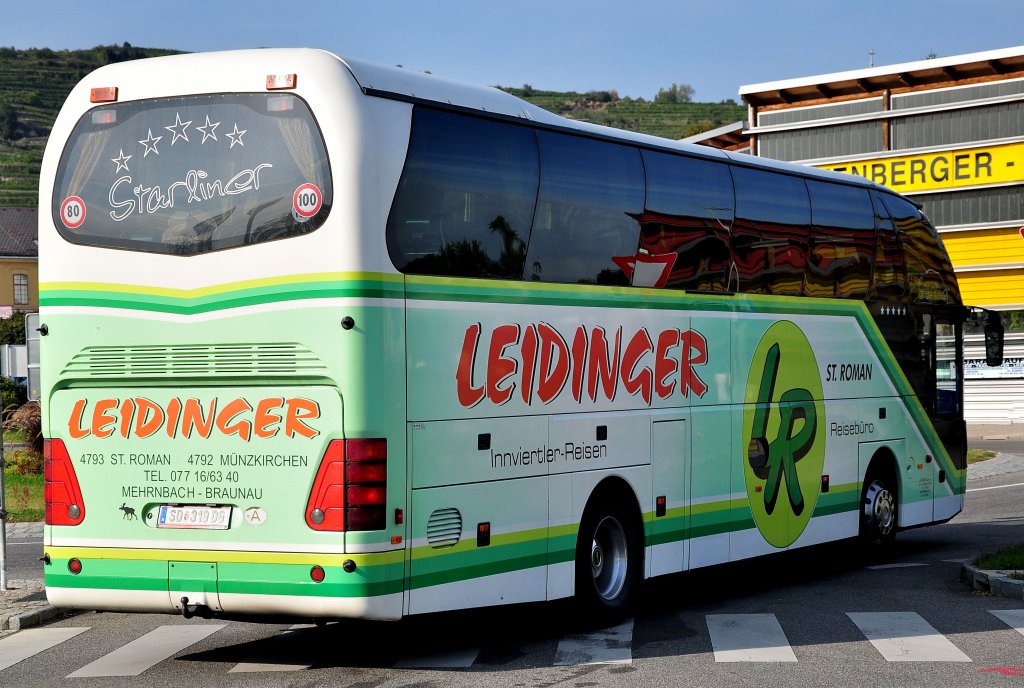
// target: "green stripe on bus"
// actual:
[[465, 572], [261, 579], [511, 552], [206, 304]]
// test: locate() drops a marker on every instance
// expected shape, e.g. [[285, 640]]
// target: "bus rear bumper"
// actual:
[[384, 607], [218, 583]]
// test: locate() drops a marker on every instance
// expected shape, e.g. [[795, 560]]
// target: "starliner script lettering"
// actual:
[[126, 199]]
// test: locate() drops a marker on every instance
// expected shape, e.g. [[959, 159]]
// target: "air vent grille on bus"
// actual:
[[444, 528], [195, 360]]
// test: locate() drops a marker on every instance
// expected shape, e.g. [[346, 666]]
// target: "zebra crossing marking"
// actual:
[[454, 659], [254, 663], [146, 651], [906, 637], [748, 638], [606, 646], [1014, 618], [897, 636], [24, 644]]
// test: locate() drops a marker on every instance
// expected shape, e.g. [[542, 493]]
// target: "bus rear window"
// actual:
[[190, 175]]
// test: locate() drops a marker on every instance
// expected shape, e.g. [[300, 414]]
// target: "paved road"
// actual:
[[1010, 445], [809, 618]]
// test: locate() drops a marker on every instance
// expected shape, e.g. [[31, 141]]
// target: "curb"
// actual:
[[17, 622], [992, 582]]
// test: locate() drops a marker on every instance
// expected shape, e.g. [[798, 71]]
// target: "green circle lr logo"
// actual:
[[784, 433]]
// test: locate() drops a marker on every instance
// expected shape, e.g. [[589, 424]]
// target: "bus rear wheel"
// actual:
[[608, 562], [878, 513]]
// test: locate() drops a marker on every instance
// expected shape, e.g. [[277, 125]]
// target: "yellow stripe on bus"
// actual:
[[226, 287]]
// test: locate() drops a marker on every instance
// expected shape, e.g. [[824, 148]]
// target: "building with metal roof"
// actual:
[[947, 132]]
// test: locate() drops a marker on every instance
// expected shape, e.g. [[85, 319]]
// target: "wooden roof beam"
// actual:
[[826, 91], [784, 96], [995, 66], [906, 79], [866, 86]]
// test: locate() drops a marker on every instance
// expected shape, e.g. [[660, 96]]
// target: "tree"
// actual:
[[676, 93], [12, 329], [8, 121]]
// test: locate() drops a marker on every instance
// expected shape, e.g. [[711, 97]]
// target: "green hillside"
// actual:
[[34, 84], [672, 120]]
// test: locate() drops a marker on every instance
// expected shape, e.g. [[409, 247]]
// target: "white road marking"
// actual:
[[1014, 618], [606, 646], [995, 487], [748, 638], [455, 659], [902, 565], [142, 653], [24, 644], [253, 663], [906, 637]]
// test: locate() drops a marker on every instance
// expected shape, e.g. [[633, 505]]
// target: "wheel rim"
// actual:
[[609, 558], [880, 509]]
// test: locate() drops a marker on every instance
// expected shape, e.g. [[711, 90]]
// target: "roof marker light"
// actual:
[[106, 94], [278, 82]]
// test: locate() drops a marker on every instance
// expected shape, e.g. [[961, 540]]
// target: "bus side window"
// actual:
[[842, 241], [948, 381], [466, 198], [591, 194], [689, 213], [771, 231], [928, 268], [889, 278]]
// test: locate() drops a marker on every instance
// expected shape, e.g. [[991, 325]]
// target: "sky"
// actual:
[[634, 47]]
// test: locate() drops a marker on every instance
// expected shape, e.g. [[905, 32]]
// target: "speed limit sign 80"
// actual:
[[72, 212]]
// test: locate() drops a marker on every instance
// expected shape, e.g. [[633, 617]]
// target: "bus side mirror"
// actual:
[[994, 341]]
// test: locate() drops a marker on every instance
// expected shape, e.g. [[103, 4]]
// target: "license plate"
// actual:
[[200, 517]]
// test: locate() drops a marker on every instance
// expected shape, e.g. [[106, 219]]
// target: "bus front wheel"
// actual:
[[608, 561]]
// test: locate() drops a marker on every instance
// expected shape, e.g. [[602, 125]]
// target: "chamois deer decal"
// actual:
[[129, 512]]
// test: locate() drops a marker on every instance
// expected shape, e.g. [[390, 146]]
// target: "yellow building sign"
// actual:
[[951, 169]]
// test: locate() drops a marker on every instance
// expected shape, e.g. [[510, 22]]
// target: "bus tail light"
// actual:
[[350, 489], [63, 495]]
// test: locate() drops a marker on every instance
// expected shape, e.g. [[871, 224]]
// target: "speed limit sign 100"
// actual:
[[307, 200]]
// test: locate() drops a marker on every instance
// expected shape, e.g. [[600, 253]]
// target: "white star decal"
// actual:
[[209, 130], [178, 129], [236, 136], [150, 144], [121, 161]]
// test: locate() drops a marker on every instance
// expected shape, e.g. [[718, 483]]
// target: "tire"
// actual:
[[879, 509], [609, 561]]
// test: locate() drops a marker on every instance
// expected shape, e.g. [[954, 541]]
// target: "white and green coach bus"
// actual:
[[328, 339]]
